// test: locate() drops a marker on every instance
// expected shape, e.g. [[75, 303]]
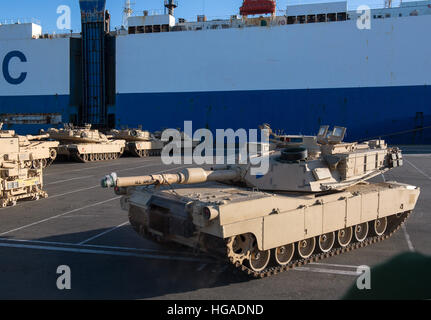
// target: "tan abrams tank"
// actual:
[[42, 153], [17, 181], [84, 144], [138, 142], [305, 208]]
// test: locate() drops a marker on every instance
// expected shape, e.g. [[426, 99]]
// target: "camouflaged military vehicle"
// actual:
[[305, 208], [84, 144], [42, 152], [17, 181], [138, 142]]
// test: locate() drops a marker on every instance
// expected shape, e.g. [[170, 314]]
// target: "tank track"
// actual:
[[394, 224], [95, 157], [145, 153]]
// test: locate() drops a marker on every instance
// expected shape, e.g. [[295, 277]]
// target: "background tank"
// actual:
[[17, 181], [184, 136], [43, 153], [305, 208], [85, 144], [138, 142]]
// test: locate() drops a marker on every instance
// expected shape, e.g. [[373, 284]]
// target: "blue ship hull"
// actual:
[[366, 112]]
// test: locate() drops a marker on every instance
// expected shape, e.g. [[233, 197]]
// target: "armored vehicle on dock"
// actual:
[[138, 142], [306, 207], [17, 181], [42, 152], [84, 144]]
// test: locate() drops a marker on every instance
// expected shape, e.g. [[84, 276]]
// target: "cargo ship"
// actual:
[[316, 64]]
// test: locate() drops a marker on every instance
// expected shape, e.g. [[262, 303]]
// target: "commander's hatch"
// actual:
[[322, 135], [337, 135]]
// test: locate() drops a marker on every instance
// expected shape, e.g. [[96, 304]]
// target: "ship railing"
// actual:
[[151, 12], [19, 21]]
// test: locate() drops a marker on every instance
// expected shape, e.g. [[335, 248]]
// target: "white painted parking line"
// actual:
[[101, 252], [201, 267], [94, 167], [419, 170], [73, 191], [103, 233], [67, 180], [59, 215], [98, 185], [407, 236], [91, 176], [329, 271], [95, 246]]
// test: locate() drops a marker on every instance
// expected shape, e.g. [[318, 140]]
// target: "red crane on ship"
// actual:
[[250, 7]]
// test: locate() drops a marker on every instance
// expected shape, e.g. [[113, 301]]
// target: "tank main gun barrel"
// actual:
[[187, 176], [38, 137]]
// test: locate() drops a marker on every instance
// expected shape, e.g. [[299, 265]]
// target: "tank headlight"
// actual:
[[209, 213]]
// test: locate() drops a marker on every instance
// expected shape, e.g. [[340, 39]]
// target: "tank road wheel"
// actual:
[[3, 204], [138, 153], [43, 163], [259, 259], [239, 248], [361, 231], [36, 164], [85, 158], [344, 236], [12, 203], [306, 247], [284, 254], [92, 157], [380, 226], [326, 241], [53, 154]]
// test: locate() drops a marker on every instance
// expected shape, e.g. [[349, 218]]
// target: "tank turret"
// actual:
[[71, 133], [139, 143], [335, 166], [85, 144], [306, 207]]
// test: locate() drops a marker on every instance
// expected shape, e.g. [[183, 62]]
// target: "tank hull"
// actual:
[[89, 152], [144, 148], [273, 221]]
